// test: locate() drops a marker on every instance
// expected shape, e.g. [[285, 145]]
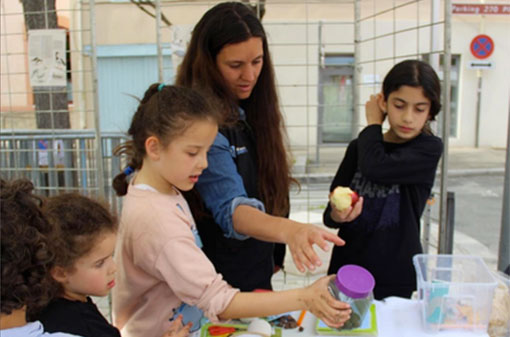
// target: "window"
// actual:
[[336, 106]]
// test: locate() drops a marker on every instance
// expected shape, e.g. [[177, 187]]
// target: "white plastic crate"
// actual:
[[456, 291]]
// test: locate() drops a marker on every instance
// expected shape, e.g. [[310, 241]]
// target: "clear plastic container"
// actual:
[[354, 285], [456, 292]]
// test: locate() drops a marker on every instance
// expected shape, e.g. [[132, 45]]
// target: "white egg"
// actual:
[[260, 326]]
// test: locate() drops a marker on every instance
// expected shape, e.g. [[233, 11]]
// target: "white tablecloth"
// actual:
[[396, 317]]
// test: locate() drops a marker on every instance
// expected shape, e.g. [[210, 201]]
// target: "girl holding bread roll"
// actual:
[[393, 172]]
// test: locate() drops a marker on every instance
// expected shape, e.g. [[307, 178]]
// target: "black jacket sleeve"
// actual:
[[413, 163]]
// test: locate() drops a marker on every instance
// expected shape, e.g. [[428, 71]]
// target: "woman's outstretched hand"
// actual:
[[301, 237], [319, 302]]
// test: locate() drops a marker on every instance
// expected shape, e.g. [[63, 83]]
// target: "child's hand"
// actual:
[[319, 302], [373, 110], [347, 214], [176, 328]]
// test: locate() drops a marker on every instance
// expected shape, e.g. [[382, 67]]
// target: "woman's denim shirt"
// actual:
[[221, 187]]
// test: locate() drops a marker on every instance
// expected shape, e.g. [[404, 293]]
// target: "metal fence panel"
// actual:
[[48, 95], [315, 45]]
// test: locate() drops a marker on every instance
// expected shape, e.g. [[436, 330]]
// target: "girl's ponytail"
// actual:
[[130, 148], [120, 182]]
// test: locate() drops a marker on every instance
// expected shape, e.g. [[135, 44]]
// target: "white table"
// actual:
[[396, 317]]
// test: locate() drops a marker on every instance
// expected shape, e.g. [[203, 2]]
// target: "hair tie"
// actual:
[[128, 170], [161, 86]]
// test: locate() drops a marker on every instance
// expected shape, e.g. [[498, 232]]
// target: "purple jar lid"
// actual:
[[354, 281]]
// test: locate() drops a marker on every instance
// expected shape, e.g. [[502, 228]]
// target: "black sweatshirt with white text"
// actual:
[[395, 181]]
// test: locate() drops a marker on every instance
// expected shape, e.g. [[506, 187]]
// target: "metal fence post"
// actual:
[[69, 176], [504, 238], [450, 215], [97, 123], [443, 213], [357, 70], [32, 163], [445, 237], [51, 170], [158, 42]]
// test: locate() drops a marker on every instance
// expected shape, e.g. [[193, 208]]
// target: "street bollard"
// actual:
[[445, 242]]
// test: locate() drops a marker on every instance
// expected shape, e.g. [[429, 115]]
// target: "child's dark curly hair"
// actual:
[[26, 256], [79, 222]]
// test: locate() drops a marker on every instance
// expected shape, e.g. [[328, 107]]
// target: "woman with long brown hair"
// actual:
[[244, 191]]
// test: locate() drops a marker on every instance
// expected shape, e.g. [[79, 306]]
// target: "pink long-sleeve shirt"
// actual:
[[160, 266]]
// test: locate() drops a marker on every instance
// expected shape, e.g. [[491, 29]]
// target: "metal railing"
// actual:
[[59, 161]]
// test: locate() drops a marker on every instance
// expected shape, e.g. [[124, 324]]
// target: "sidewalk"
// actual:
[[461, 161], [469, 161]]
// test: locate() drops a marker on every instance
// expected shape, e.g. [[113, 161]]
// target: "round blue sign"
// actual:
[[482, 46]]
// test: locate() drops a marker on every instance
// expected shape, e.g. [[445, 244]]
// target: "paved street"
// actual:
[[478, 206]]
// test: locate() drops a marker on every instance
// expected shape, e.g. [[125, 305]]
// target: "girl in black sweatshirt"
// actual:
[[393, 172]]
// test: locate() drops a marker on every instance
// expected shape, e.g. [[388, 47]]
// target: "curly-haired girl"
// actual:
[[26, 257], [83, 265]]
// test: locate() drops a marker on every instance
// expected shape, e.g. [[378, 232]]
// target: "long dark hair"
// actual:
[[415, 73], [230, 23], [165, 111]]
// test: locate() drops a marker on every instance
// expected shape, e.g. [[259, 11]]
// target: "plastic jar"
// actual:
[[354, 285]]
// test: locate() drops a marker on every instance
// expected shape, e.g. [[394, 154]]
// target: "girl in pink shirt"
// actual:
[[162, 270]]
